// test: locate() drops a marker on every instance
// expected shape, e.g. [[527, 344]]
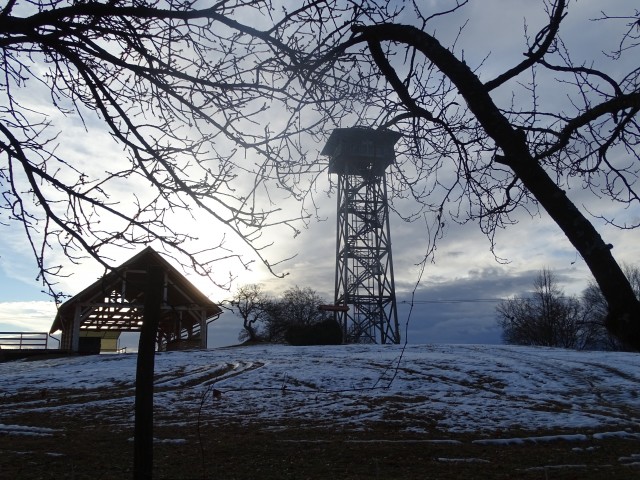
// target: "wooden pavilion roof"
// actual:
[[115, 302]]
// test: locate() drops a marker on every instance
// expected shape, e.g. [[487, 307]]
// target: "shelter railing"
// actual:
[[25, 340]]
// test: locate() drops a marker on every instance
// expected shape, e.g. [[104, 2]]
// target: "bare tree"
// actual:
[[184, 93], [252, 304], [546, 318], [482, 146], [297, 306], [300, 305]]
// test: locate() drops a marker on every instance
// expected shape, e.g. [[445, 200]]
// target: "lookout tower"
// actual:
[[365, 299]]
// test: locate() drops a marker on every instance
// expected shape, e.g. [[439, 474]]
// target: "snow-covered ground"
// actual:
[[449, 388]]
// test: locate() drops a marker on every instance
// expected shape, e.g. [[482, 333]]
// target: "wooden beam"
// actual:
[[203, 329], [75, 330], [333, 308]]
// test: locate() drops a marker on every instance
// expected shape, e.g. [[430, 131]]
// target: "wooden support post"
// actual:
[[75, 330], [143, 435], [203, 329]]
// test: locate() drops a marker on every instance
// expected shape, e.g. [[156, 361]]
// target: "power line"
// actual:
[[471, 300], [455, 300]]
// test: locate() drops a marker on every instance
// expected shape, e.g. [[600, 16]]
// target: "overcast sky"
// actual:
[[455, 299]]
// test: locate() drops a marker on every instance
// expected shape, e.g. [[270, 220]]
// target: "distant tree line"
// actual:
[[549, 317], [291, 318]]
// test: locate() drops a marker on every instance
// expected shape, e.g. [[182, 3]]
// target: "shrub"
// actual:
[[326, 332]]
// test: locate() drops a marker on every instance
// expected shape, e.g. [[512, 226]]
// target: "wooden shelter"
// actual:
[[92, 320]]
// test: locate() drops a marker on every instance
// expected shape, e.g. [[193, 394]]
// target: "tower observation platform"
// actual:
[[365, 300]]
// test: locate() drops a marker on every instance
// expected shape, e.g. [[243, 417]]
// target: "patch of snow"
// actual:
[[588, 449], [578, 437], [173, 441], [463, 460], [26, 430], [554, 467], [633, 459], [621, 434], [431, 441]]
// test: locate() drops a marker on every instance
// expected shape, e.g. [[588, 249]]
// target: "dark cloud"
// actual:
[[461, 310]]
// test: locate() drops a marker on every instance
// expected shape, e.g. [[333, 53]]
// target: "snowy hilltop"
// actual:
[[453, 388]]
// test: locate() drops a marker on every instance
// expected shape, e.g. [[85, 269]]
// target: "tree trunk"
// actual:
[[143, 432], [251, 332]]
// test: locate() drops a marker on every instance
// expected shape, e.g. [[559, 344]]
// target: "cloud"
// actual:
[[36, 316]]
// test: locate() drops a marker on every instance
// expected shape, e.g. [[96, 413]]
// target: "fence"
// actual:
[[25, 340]]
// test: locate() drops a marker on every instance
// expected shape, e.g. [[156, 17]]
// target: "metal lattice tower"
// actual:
[[365, 299]]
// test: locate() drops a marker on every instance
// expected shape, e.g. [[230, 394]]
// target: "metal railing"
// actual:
[[25, 340]]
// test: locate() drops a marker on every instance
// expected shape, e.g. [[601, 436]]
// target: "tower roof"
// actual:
[[360, 150]]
